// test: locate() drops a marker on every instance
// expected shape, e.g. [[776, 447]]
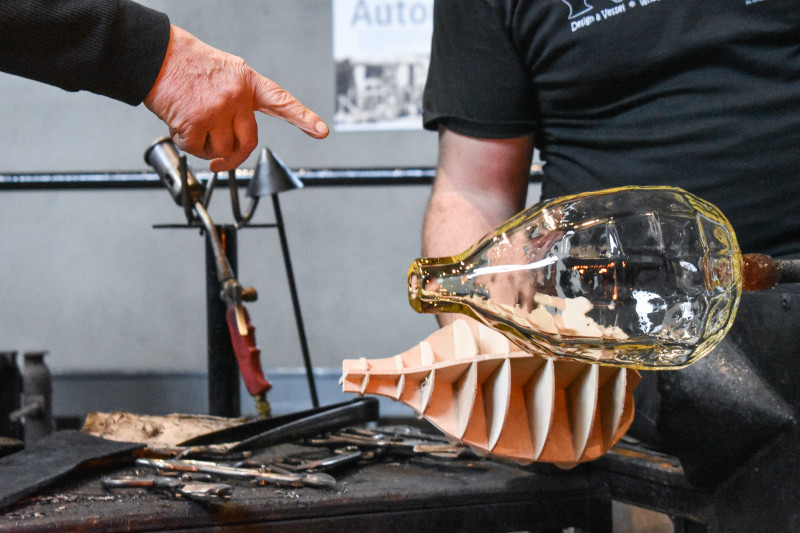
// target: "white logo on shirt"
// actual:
[[582, 14]]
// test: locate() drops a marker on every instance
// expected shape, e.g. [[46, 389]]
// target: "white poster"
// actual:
[[381, 49]]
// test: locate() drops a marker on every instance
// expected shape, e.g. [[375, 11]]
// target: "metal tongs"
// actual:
[[202, 491], [258, 434], [194, 196], [386, 438], [255, 474]]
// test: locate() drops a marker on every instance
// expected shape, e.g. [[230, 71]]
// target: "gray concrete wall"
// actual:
[[86, 276]]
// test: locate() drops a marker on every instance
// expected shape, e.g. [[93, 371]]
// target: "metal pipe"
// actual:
[[222, 264], [789, 270], [241, 219]]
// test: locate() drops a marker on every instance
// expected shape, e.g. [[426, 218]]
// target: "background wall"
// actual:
[[87, 277]]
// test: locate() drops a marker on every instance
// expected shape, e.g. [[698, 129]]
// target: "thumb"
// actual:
[[272, 99]]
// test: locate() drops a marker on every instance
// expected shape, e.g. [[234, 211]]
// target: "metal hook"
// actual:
[[241, 220]]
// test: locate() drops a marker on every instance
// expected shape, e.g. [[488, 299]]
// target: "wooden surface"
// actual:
[[394, 494]]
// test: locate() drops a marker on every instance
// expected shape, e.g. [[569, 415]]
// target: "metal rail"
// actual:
[[138, 180], [144, 180]]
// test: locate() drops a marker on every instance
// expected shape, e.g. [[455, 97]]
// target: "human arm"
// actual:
[[131, 53], [480, 183], [113, 48]]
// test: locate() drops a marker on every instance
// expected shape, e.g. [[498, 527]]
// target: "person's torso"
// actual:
[[694, 93]]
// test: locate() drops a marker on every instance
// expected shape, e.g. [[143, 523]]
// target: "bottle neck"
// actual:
[[426, 292]]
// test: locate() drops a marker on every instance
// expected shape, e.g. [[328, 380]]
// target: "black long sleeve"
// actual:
[[113, 48]]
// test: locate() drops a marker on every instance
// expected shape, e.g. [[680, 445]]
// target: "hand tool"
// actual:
[[341, 456], [412, 443], [194, 196], [293, 426], [254, 474], [195, 490]]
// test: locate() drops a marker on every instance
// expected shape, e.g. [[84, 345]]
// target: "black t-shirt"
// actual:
[[110, 47], [700, 94]]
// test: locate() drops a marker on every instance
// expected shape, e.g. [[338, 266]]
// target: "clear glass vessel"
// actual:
[[644, 277]]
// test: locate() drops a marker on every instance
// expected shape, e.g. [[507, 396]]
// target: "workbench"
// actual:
[[732, 417], [402, 494], [399, 494]]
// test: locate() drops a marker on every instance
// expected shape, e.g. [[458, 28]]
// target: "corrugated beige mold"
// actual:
[[468, 381]]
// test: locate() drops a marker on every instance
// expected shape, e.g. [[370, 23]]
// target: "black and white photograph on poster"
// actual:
[[381, 49]]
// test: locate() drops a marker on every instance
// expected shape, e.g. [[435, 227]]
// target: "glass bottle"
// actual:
[[644, 277]]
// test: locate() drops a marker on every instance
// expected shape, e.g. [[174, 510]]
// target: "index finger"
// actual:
[[274, 100]]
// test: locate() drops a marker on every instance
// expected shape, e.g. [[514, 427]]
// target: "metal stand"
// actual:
[[298, 316], [223, 290], [223, 372]]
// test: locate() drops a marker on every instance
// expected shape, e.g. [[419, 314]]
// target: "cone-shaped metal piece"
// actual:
[[271, 176]]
